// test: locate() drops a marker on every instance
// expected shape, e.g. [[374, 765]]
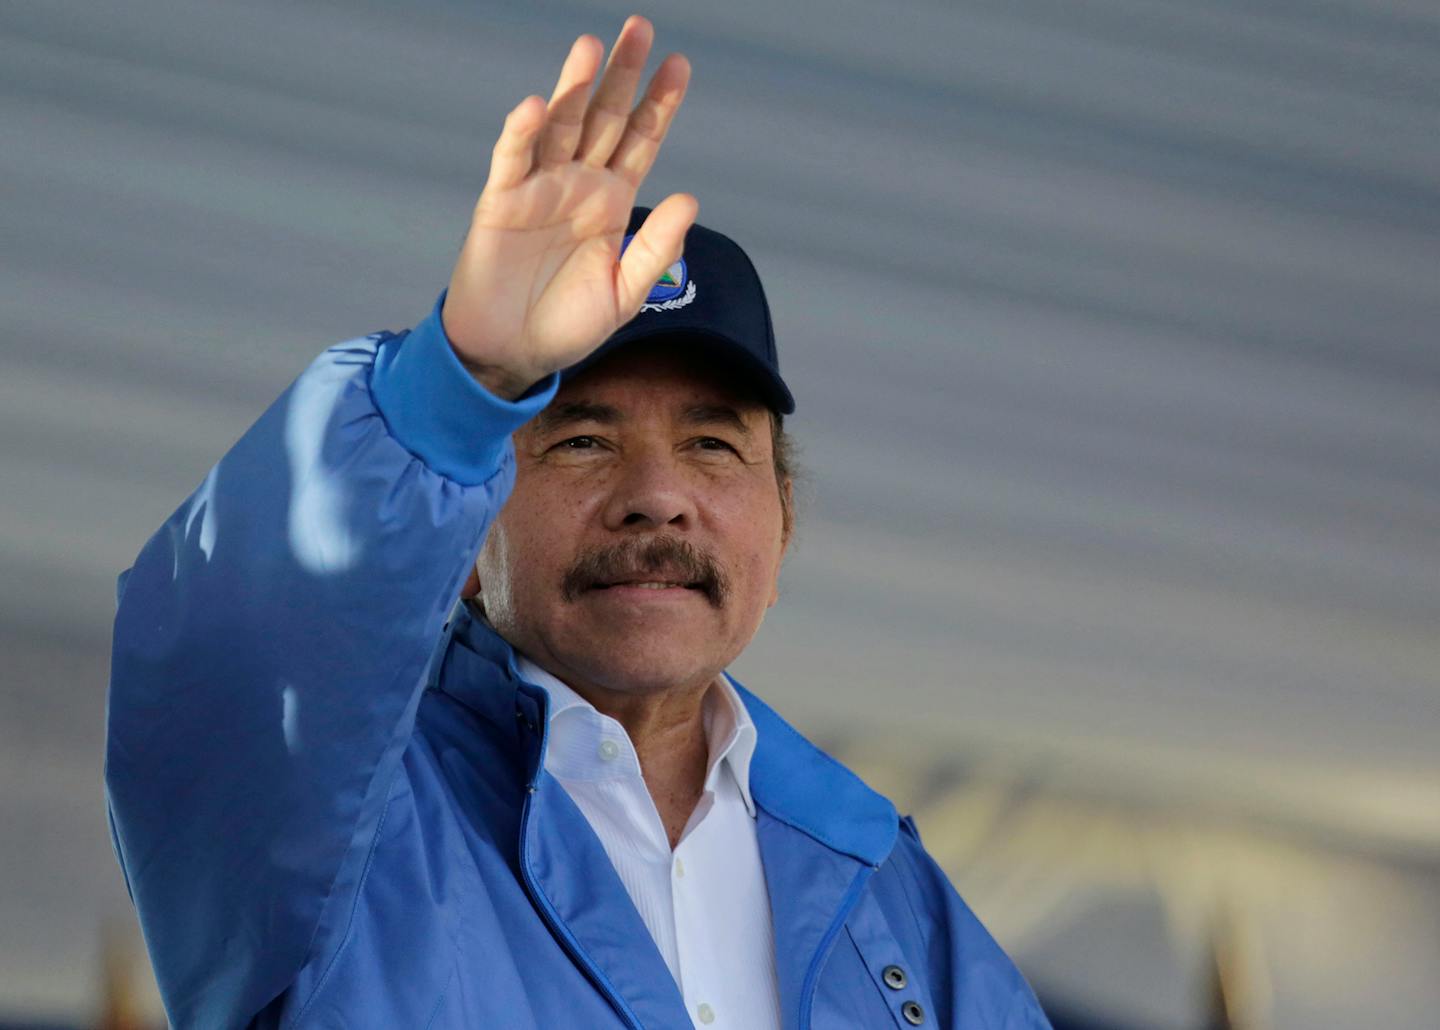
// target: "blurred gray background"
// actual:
[[1113, 330]]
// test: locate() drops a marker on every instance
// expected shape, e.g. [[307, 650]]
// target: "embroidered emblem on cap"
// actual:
[[674, 289]]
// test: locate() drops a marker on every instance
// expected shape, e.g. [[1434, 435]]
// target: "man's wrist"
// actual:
[[498, 381], [502, 381], [439, 411]]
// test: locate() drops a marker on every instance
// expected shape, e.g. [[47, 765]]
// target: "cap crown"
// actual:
[[711, 296]]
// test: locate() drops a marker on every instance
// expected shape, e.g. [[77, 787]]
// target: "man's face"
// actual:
[[643, 540]]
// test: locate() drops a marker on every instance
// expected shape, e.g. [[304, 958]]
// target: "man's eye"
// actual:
[[577, 443], [711, 443]]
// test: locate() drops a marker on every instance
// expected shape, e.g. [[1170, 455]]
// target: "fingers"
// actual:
[[657, 245], [565, 115], [601, 130], [650, 121], [610, 109], [514, 152]]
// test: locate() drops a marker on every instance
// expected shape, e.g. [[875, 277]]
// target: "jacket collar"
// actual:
[[805, 788], [477, 667], [790, 778]]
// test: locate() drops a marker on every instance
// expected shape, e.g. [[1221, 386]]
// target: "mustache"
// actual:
[[667, 555]]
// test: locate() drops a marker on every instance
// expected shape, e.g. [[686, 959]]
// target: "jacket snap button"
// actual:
[[894, 977], [913, 1013]]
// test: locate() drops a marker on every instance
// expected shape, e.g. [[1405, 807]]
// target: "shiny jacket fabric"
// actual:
[[326, 783]]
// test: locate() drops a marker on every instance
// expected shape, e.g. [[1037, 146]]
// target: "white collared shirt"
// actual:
[[705, 903]]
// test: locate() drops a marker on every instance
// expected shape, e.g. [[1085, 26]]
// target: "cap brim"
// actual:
[[770, 388]]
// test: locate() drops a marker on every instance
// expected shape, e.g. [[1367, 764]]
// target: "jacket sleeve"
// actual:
[[270, 648]]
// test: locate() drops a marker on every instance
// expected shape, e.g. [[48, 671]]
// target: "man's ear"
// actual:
[[472, 585], [787, 531], [787, 508]]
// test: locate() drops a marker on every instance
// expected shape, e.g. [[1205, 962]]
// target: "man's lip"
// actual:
[[648, 584], [631, 593]]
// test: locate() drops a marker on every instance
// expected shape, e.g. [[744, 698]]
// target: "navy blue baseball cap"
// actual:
[[711, 298]]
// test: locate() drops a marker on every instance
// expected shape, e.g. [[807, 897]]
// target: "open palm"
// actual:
[[540, 282]]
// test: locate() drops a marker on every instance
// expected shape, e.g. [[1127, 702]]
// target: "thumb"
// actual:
[[657, 245]]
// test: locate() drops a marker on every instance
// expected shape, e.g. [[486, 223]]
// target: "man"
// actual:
[[341, 800]]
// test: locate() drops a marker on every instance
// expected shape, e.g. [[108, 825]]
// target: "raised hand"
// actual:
[[540, 282]]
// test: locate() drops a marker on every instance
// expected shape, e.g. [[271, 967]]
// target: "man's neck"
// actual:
[[667, 730], [670, 741]]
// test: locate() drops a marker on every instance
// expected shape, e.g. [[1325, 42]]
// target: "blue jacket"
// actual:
[[326, 783]]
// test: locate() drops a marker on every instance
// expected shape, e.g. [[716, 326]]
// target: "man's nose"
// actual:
[[652, 491]]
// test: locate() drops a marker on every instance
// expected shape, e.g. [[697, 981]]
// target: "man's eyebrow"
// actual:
[[710, 414], [571, 412]]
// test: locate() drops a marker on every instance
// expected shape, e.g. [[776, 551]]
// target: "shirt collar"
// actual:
[[585, 744]]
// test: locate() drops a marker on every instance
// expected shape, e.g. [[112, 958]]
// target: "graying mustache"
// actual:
[[607, 564]]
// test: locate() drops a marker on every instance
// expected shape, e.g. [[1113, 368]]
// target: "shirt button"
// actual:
[[609, 750], [679, 869], [913, 1013], [706, 1013], [894, 977]]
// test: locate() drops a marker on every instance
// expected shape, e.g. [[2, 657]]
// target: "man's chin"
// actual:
[[643, 663]]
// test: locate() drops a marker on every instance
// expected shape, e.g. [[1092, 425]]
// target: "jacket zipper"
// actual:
[[812, 975], [559, 929]]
